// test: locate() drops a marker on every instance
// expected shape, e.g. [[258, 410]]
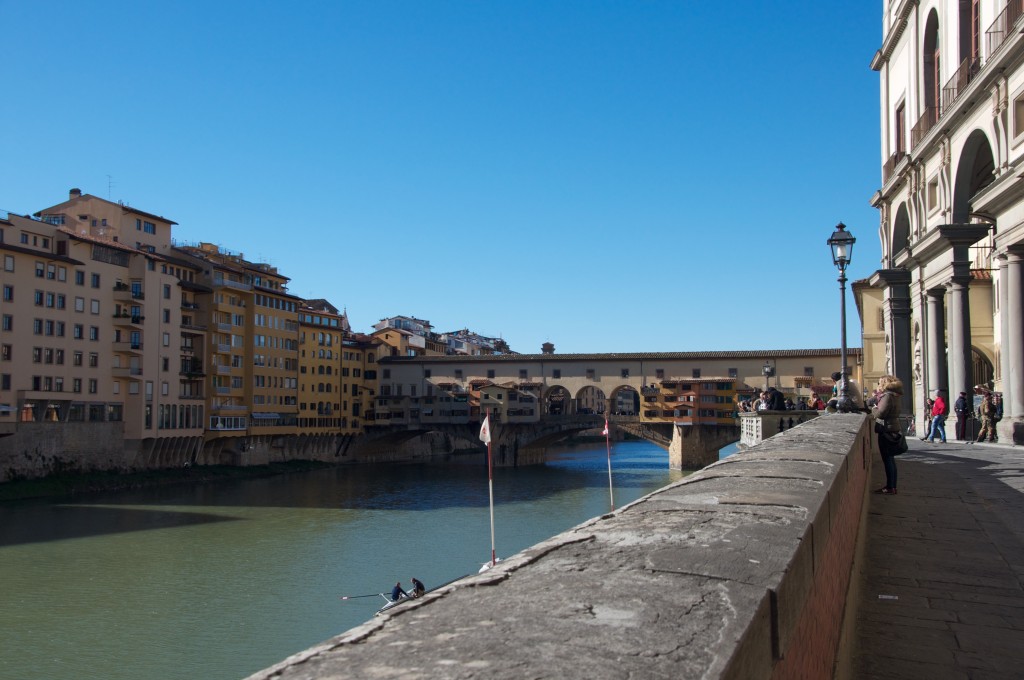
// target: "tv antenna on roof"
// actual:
[[110, 186]]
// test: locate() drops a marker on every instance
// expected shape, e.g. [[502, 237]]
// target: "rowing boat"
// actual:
[[408, 597]]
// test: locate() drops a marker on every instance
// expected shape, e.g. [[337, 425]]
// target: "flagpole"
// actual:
[[608, 444], [490, 483]]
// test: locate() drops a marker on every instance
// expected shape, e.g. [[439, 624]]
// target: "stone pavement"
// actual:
[[942, 589]]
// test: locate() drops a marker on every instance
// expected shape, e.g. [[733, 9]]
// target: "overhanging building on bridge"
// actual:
[[683, 388]]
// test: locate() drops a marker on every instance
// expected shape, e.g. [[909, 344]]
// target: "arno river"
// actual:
[[221, 580]]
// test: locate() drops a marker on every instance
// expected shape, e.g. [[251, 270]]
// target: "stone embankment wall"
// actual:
[[740, 570], [36, 450], [41, 449]]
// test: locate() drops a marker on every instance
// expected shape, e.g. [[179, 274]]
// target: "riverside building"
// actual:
[[321, 329], [951, 202], [93, 324]]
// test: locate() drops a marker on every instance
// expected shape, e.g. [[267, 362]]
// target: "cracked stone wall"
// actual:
[[740, 570]]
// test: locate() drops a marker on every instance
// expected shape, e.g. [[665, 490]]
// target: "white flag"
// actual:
[[485, 430]]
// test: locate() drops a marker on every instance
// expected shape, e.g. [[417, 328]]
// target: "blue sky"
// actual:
[[606, 176]]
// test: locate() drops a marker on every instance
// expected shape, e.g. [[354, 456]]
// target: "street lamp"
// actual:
[[841, 244], [768, 372]]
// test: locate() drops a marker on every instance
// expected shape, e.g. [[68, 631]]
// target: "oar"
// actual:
[[352, 597]]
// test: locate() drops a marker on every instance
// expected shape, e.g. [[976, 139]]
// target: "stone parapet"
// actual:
[[740, 570]]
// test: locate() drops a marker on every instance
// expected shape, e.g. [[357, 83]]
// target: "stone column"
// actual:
[[896, 283], [1004, 332], [960, 356], [1013, 341], [935, 341]]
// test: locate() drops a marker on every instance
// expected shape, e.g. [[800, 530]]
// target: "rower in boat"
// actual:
[[397, 593]]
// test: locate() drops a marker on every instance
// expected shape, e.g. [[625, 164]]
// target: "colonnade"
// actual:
[[928, 321]]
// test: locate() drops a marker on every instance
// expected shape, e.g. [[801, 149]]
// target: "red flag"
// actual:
[[605, 432]]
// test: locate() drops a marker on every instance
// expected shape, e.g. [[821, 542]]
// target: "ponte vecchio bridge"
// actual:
[[683, 401]]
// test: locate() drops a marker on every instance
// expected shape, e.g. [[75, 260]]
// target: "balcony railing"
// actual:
[[955, 86], [890, 165], [1000, 29], [924, 125], [235, 284]]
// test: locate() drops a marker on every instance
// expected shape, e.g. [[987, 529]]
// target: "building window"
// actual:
[[5, 352], [8, 263], [625, 373], [76, 385], [696, 373], [808, 371], [94, 306], [659, 373], [734, 373], [490, 373], [94, 333], [79, 278], [167, 291], [78, 331], [76, 359], [94, 280], [94, 359], [556, 373], [8, 293], [40, 270], [93, 386], [5, 381]]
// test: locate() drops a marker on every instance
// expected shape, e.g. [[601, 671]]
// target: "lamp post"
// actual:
[[768, 372], [841, 244]]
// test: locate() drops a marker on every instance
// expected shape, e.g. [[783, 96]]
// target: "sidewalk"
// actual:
[[942, 591]]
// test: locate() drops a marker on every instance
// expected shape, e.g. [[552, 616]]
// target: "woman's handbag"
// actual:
[[892, 443]]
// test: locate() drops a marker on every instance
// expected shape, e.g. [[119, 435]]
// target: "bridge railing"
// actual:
[[757, 426]]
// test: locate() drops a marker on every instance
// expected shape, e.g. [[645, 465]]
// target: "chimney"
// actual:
[[74, 193], [547, 348]]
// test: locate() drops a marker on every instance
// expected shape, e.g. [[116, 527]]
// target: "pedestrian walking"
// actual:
[[938, 427], [988, 421]]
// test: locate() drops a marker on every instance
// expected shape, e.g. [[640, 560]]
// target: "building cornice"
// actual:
[[947, 236], [884, 278], [893, 35]]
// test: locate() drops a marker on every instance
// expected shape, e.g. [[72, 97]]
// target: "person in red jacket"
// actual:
[[938, 418]]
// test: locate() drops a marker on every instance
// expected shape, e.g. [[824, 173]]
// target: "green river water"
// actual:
[[220, 580]]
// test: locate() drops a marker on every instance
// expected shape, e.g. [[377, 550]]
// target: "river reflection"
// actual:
[[220, 580]]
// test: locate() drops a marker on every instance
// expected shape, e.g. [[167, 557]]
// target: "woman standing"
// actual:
[[886, 412]]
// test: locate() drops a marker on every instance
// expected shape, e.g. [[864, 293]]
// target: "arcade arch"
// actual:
[[900, 231], [624, 401], [973, 173]]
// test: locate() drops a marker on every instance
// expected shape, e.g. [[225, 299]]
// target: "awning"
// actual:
[[266, 416]]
